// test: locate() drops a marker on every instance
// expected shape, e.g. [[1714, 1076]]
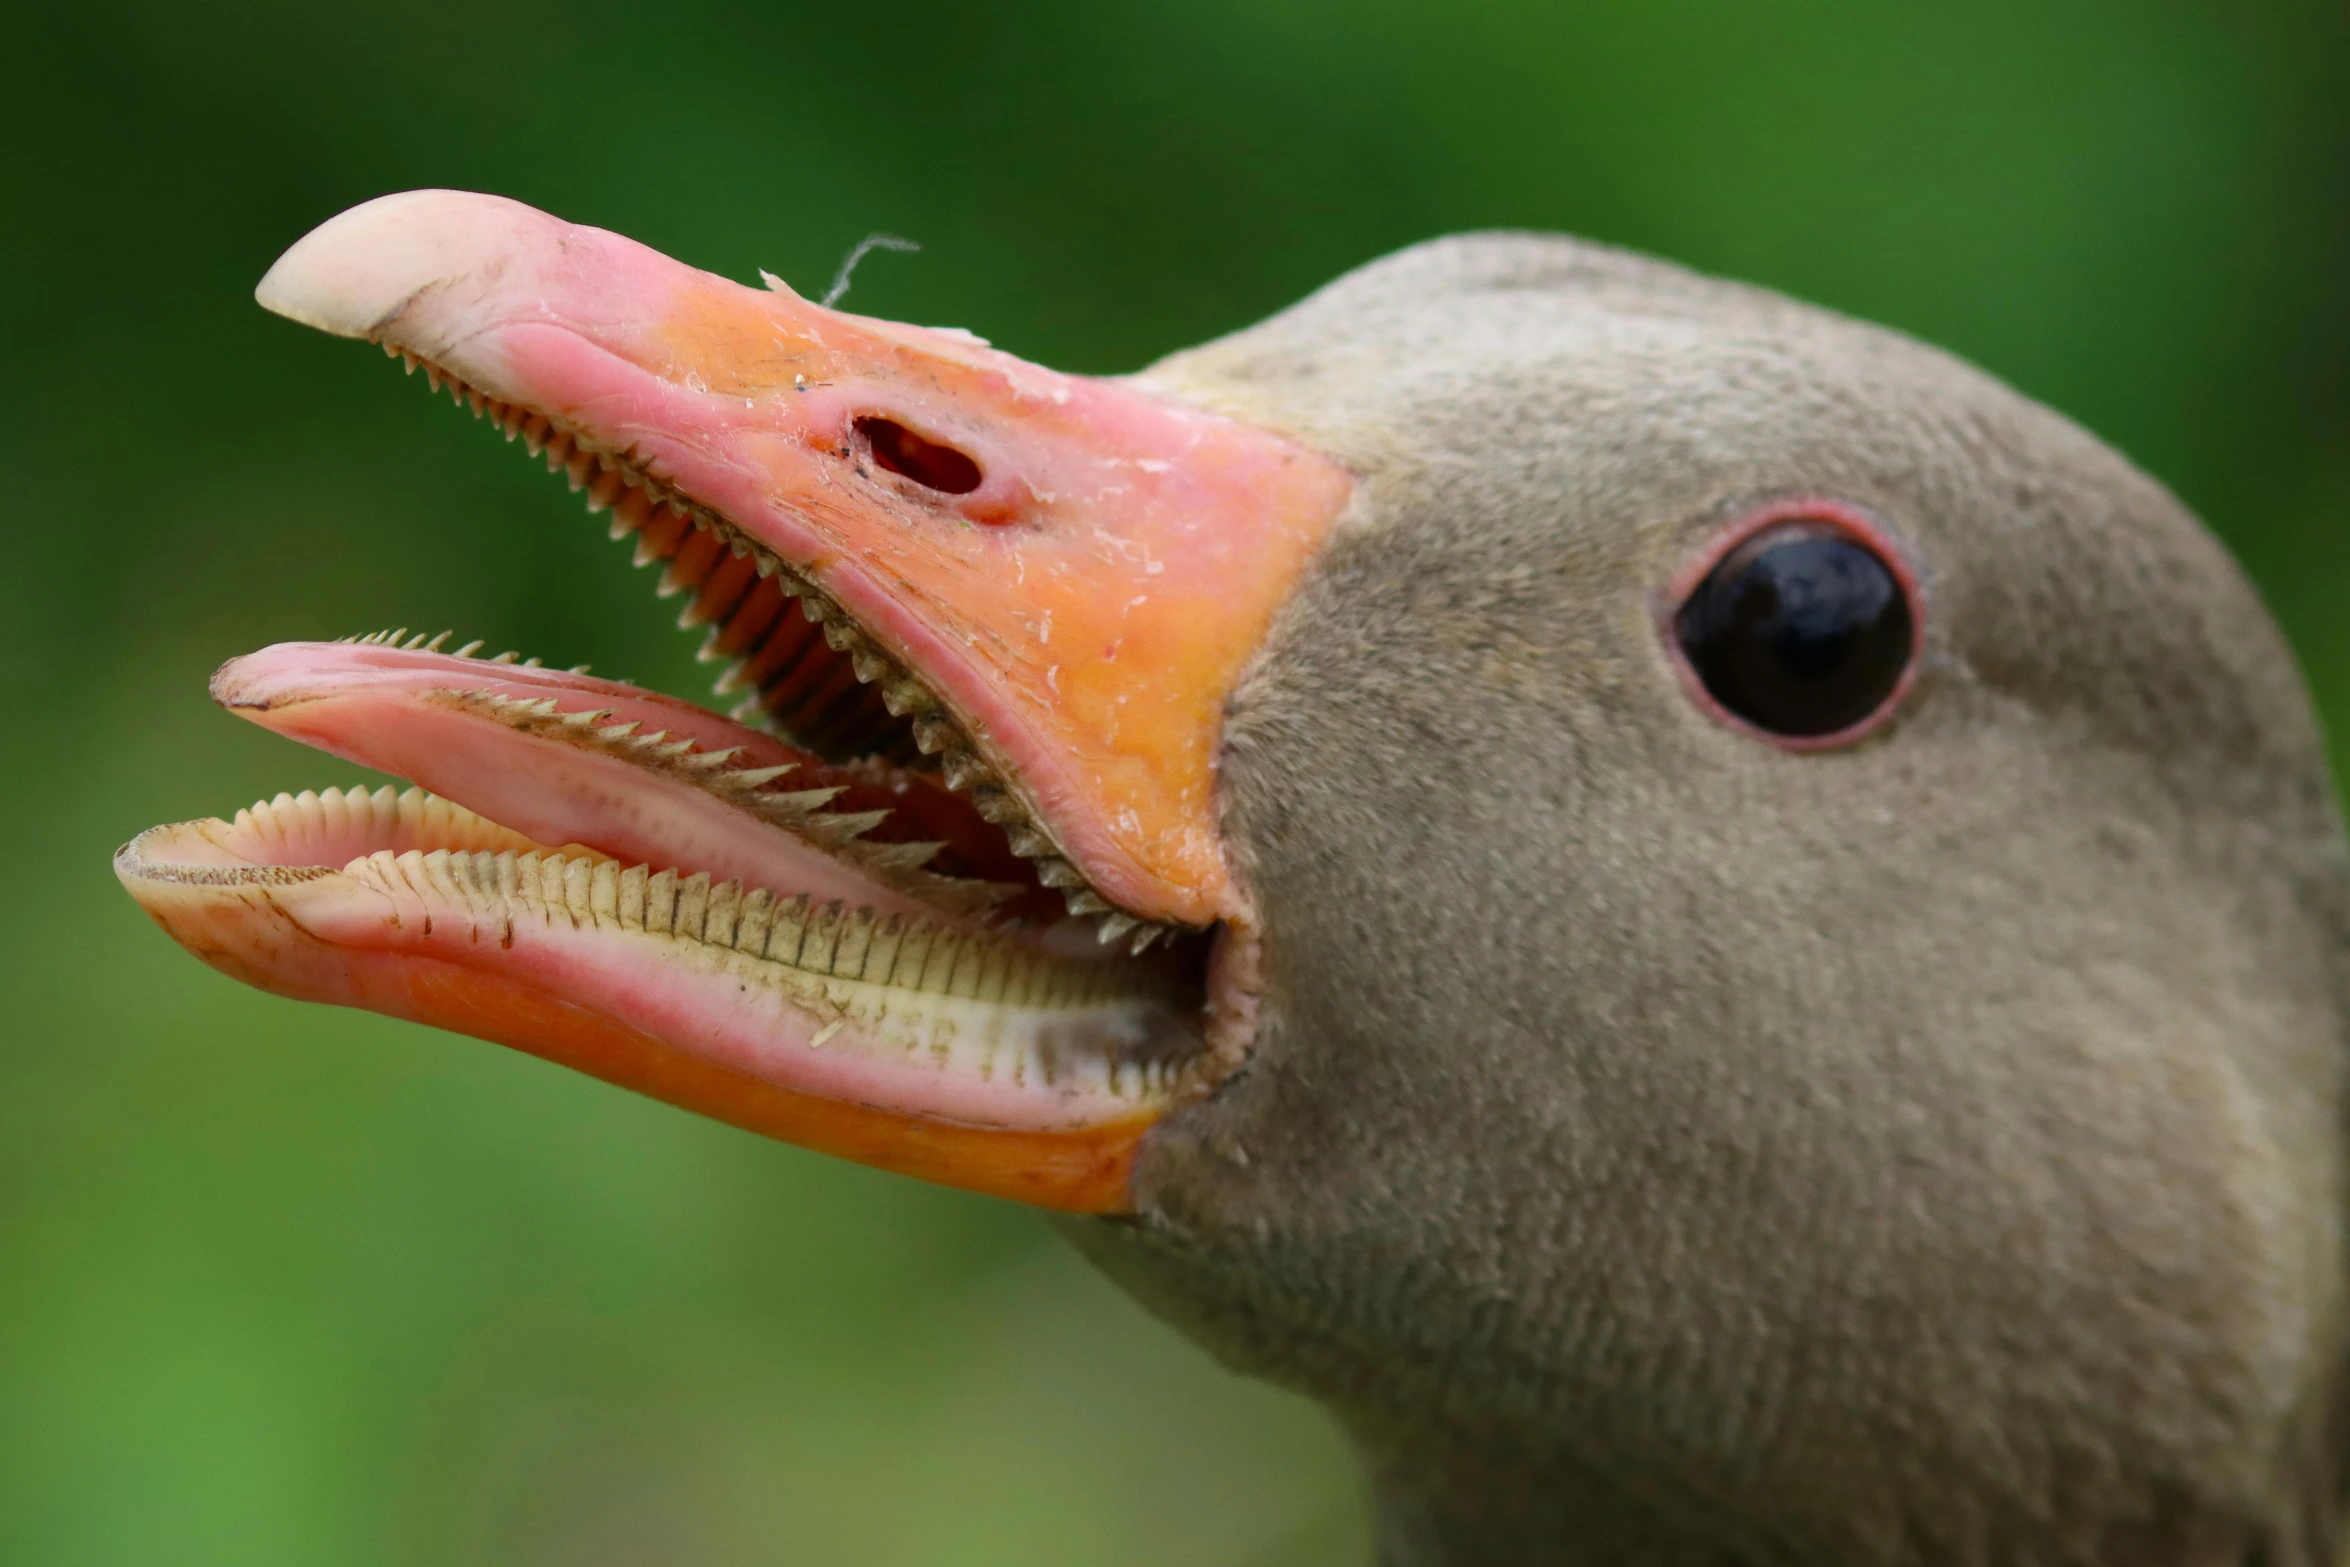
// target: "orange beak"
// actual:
[[1077, 568], [1049, 585]]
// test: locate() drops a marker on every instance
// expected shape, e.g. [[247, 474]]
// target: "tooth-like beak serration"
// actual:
[[697, 549]]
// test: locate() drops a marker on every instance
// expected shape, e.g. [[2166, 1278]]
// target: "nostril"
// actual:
[[931, 464]]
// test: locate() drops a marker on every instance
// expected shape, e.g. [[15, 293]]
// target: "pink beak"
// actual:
[[1048, 584]]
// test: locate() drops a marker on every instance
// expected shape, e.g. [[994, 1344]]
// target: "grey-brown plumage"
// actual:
[[1663, 1147]]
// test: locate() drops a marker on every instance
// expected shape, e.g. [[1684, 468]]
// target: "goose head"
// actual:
[[1725, 935], [1898, 1120]]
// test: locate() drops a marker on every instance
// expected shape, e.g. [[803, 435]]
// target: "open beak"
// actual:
[[946, 893]]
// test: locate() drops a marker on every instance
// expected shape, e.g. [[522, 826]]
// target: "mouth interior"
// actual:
[[946, 935], [1005, 1022], [814, 678]]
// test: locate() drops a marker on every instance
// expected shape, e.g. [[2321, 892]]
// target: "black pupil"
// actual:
[[1802, 630]]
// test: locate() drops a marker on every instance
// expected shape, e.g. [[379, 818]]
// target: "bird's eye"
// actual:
[[1803, 630]]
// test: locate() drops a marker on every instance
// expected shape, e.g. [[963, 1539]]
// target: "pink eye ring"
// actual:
[[1800, 624]]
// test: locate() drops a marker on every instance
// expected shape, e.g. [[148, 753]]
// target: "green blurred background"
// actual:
[[281, 1285]]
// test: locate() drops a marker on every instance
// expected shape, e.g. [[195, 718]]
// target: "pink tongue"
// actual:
[[495, 738]]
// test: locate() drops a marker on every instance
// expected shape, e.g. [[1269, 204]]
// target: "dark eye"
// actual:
[[1802, 630]]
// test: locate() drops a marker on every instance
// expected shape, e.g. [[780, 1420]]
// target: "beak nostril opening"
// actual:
[[931, 464]]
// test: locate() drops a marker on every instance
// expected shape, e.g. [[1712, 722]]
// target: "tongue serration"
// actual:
[[566, 758]]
